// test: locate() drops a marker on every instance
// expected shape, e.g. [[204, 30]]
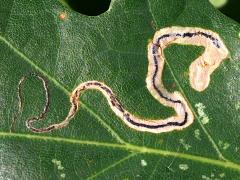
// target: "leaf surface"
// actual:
[[111, 48]]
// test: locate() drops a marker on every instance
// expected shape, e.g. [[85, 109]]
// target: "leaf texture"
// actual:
[[111, 48]]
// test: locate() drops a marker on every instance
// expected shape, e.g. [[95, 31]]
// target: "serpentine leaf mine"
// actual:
[[200, 71]]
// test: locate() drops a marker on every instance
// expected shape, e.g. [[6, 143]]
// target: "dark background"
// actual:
[[232, 9], [96, 7]]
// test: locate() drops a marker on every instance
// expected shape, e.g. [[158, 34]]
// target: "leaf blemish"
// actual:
[[222, 175], [237, 106], [197, 134], [206, 177], [183, 167], [59, 166], [223, 145], [213, 177], [143, 163], [63, 175], [62, 16], [184, 144], [202, 115]]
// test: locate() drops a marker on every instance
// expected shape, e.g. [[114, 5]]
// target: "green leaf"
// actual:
[[111, 48]]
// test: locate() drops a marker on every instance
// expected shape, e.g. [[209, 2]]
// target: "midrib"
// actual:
[[126, 147]]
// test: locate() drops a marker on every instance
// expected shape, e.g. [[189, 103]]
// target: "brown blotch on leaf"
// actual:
[[62, 16]]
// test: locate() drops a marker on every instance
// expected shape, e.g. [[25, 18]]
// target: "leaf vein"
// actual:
[[127, 147], [111, 166]]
